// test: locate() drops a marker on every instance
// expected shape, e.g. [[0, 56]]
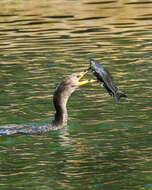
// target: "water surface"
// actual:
[[106, 145]]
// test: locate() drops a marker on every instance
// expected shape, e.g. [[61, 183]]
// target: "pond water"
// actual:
[[106, 145]]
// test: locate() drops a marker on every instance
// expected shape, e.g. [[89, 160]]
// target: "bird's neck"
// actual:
[[60, 118], [61, 115]]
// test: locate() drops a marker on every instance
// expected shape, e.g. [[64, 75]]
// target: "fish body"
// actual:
[[104, 77]]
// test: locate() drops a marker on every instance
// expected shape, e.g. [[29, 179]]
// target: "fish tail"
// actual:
[[119, 94]]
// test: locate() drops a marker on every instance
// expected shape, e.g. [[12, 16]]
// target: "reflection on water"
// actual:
[[106, 145]]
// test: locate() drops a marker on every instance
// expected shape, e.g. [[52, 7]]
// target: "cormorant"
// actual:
[[60, 98]]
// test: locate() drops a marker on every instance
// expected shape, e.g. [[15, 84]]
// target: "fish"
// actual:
[[105, 78]]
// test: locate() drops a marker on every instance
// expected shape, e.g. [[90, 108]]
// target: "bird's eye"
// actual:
[[78, 76]]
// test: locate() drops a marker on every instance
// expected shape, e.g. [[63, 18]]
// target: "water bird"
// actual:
[[60, 99], [105, 78]]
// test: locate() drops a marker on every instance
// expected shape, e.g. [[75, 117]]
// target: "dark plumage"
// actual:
[[106, 79]]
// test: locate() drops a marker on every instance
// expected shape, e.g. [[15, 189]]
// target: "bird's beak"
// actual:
[[81, 83]]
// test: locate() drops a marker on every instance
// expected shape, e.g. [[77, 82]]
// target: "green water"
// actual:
[[106, 145]]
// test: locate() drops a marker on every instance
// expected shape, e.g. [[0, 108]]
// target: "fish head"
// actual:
[[95, 66]]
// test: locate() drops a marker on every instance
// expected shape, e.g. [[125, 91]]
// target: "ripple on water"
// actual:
[[107, 145]]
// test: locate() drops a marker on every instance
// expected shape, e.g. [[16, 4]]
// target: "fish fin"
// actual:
[[101, 83], [119, 94]]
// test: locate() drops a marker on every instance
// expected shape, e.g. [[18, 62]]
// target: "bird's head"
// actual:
[[71, 83], [74, 80]]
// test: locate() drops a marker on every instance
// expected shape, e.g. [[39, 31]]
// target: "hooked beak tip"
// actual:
[[82, 74]]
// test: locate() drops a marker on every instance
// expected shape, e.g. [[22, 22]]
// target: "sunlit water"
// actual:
[[106, 145]]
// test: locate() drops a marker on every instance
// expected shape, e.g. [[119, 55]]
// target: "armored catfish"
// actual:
[[106, 79]]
